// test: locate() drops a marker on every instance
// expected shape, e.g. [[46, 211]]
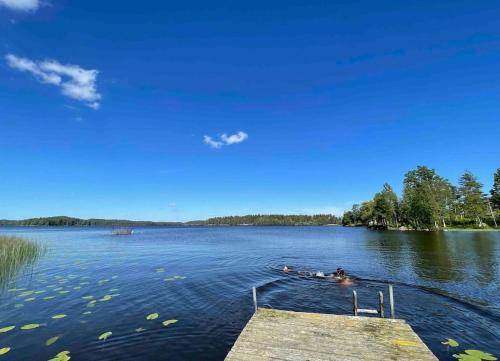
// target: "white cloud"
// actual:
[[74, 81], [235, 138], [21, 5], [226, 139]]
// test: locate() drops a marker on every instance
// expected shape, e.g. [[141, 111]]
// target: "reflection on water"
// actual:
[[92, 284]]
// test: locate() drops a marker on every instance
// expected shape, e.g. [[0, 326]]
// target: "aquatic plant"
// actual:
[[469, 355], [15, 255], [61, 356], [152, 316], [475, 355], [105, 336], [4, 350], [169, 322], [52, 340], [57, 317], [7, 329], [30, 326]]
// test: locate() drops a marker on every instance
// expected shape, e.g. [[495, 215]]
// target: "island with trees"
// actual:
[[430, 202]]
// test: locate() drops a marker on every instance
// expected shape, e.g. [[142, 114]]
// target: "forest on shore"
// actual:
[[430, 202], [276, 220]]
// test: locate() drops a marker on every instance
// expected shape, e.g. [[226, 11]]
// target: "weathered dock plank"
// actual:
[[297, 336]]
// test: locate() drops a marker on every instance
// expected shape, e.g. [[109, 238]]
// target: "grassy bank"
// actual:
[[15, 254]]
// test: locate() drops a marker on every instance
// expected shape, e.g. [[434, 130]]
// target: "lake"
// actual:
[[446, 285]]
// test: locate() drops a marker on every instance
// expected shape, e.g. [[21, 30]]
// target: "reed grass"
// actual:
[[17, 254]]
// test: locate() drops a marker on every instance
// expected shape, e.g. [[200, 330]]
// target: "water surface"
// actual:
[[446, 285]]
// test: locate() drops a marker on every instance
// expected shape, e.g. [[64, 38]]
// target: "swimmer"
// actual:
[[286, 269]]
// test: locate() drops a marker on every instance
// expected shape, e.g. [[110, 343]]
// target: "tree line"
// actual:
[[276, 219], [71, 221], [430, 202]]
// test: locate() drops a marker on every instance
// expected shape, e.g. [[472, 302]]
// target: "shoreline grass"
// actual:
[[17, 253]]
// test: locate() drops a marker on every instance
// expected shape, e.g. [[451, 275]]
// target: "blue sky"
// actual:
[[185, 110]]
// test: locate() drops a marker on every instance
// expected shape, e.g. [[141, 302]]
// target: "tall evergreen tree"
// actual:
[[495, 190], [471, 198]]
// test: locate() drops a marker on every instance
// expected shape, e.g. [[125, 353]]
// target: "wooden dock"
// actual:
[[296, 336]]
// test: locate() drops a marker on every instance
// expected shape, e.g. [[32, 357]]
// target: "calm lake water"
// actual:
[[446, 285]]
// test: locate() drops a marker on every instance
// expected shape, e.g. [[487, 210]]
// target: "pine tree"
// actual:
[[495, 191], [471, 197]]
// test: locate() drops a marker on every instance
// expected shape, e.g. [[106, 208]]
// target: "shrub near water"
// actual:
[[15, 254]]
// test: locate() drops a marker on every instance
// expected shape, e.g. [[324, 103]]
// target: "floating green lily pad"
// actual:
[[52, 340], [481, 355], [450, 342], [105, 335], [106, 298], [57, 317], [61, 356], [30, 326], [152, 316], [4, 350], [26, 293], [169, 322], [49, 297], [7, 329], [30, 299]]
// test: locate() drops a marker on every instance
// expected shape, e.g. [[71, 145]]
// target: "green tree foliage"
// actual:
[[472, 202], [386, 207], [275, 219], [70, 221], [495, 191], [427, 198]]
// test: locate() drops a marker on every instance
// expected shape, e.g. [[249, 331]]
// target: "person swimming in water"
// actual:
[[286, 269], [341, 277]]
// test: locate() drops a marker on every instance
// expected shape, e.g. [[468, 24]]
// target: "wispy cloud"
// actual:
[[74, 81], [225, 139], [21, 5]]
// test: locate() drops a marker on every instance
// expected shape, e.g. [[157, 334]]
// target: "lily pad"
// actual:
[[49, 297], [169, 322], [105, 336], [52, 340], [7, 329], [61, 356], [450, 342], [57, 317], [30, 326], [152, 316], [30, 299], [4, 350], [106, 298], [481, 355], [26, 293]]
